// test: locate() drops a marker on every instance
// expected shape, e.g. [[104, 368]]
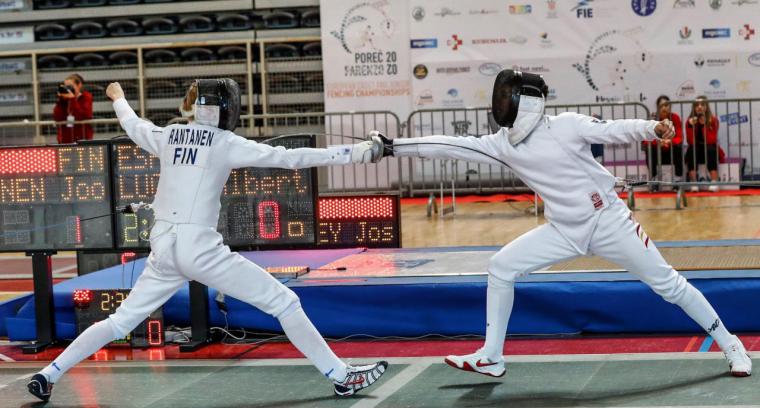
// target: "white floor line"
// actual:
[[5, 358], [56, 274], [64, 269], [391, 386]]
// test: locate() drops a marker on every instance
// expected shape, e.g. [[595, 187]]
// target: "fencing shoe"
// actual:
[[40, 387], [359, 377], [738, 360], [477, 362]]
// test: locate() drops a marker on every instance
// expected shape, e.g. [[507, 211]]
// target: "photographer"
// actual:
[[73, 104], [702, 135], [666, 151]]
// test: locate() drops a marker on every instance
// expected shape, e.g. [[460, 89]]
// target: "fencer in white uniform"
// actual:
[[196, 160], [552, 155]]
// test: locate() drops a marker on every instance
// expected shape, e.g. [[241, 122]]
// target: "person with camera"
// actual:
[[664, 152], [702, 135], [74, 104]]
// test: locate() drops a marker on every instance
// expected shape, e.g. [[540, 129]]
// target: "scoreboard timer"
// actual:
[[92, 306], [46, 190], [260, 206]]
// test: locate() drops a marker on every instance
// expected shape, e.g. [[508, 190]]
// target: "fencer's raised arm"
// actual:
[[593, 130], [247, 153], [484, 149], [144, 133]]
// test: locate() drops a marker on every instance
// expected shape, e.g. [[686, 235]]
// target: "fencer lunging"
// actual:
[[552, 155], [196, 159]]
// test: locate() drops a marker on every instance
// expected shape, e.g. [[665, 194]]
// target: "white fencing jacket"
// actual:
[[196, 161], [555, 161]]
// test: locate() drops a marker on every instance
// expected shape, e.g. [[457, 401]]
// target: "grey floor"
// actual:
[[643, 380]]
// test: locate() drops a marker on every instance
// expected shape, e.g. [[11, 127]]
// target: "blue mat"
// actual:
[[566, 303], [17, 316]]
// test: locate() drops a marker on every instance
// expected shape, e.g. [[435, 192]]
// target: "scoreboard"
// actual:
[[47, 192], [64, 197], [92, 306], [260, 206]]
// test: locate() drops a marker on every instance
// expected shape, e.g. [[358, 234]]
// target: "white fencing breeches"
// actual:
[[617, 238]]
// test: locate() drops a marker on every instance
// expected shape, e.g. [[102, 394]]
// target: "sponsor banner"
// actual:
[[7, 67], [369, 59], [16, 35], [12, 97]]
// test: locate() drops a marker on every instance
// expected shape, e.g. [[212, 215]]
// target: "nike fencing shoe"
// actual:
[[738, 360], [477, 362], [40, 387], [359, 377]]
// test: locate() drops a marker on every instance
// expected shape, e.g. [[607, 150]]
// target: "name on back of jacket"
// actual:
[[189, 137]]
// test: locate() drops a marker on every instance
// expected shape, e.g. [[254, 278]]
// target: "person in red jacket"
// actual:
[[702, 135], [73, 104], [666, 151]]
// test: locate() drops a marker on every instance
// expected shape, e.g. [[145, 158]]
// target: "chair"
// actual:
[[159, 25], [88, 3], [233, 22], [196, 24], [281, 51], [312, 49], [232, 52], [88, 29], [160, 56], [281, 19], [89, 59], [51, 4], [52, 32], [198, 55], [310, 18], [162, 88], [53, 61], [313, 82], [124, 28], [257, 20], [123, 58], [284, 83]]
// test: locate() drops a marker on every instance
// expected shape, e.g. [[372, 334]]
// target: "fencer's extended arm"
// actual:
[[593, 130], [247, 153], [144, 133], [483, 149]]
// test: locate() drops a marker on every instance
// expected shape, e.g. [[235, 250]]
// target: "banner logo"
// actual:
[[583, 9], [489, 69], [418, 13], [455, 42], [424, 43], [520, 9], [715, 4], [363, 26], [746, 31], [754, 59], [420, 71], [644, 8], [710, 33]]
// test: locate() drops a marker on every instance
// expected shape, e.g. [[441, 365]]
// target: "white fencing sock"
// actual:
[[699, 309], [499, 300], [308, 341], [87, 343]]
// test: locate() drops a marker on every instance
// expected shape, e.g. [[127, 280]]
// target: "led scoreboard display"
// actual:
[[260, 206], [92, 306], [359, 221], [47, 192]]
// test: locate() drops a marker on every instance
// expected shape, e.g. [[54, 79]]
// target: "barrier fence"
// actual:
[[737, 159]]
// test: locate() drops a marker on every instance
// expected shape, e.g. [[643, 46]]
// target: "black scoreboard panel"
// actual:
[[260, 206], [46, 194], [92, 306]]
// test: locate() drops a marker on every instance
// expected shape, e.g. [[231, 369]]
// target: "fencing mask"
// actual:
[[217, 103], [518, 102]]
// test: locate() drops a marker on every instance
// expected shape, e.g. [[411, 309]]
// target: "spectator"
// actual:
[[666, 151], [702, 135], [74, 104]]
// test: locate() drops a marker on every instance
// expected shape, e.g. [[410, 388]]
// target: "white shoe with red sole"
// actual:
[[477, 362]]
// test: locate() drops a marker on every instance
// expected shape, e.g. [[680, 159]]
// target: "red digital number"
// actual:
[[269, 219], [155, 333]]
